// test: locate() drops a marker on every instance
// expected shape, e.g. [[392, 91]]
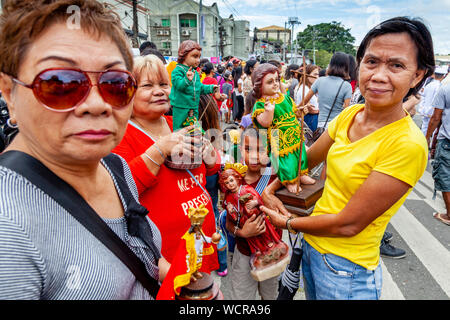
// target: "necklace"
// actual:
[[239, 208], [145, 130]]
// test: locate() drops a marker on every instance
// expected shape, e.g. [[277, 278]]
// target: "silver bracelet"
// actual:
[[150, 158], [159, 150]]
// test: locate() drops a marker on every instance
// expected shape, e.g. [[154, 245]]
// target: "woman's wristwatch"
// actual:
[[288, 225]]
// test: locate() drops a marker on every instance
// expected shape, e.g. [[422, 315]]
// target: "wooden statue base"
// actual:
[[271, 271], [203, 289], [301, 204]]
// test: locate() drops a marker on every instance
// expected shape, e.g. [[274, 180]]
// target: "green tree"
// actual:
[[331, 37], [323, 58]]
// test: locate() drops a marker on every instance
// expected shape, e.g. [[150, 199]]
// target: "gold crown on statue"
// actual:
[[238, 167], [197, 215]]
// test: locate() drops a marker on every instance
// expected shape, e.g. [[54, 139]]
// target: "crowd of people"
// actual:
[[110, 146]]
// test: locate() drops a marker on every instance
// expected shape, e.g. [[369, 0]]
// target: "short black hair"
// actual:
[[155, 52], [288, 72], [203, 61], [418, 32], [249, 64], [220, 69], [352, 67], [147, 44], [208, 67], [338, 66], [237, 74]]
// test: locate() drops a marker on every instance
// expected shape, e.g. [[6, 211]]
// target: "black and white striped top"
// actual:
[[46, 254]]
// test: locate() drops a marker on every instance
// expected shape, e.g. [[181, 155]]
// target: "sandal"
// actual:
[[438, 216]]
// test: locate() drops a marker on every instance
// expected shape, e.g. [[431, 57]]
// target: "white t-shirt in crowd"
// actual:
[[236, 90], [426, 107], [298, 94]]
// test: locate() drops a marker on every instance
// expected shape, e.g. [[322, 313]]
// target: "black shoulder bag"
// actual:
[[60, 191], [318, 132]]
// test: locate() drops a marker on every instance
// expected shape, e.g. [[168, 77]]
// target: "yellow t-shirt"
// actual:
[[398, 149], [170, 67]]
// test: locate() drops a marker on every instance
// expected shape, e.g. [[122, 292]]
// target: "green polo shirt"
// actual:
[[185, 94]]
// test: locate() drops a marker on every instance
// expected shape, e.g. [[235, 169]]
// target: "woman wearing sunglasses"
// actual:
[[167, 193], [70, 91]]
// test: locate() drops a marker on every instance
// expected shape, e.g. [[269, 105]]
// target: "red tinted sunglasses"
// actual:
[[63, 89]]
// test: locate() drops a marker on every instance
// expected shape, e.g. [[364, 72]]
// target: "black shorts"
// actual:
[[441, 166]]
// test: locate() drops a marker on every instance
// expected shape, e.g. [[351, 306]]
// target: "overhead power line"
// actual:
[[231, 8]]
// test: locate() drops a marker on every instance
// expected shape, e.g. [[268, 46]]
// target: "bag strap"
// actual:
[[264, 180], [115, 165], [205, 192], [334, 102], [60, 191]]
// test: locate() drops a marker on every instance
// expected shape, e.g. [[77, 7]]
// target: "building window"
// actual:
[[165, 22], [188, 23], [166, 45]]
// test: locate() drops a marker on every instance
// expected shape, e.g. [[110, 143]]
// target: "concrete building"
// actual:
[[235, 38], [275, 34], [272, 42], [173, 21]]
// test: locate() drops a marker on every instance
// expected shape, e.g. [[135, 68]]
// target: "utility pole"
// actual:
[[284, 44], [202, 27], [255, 40], [314, 45], [293, 21], [134, 39]]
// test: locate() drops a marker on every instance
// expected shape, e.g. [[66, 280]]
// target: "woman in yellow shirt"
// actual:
[[375, 155]]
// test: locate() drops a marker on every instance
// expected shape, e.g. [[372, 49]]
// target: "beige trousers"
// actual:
[[244, 287]]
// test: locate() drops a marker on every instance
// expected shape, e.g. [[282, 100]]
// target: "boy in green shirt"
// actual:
[[186, 84]]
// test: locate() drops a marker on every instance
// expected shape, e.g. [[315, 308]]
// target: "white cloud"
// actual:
[[359, 15]]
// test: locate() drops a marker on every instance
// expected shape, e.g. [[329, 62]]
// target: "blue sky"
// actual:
[[359, 15]]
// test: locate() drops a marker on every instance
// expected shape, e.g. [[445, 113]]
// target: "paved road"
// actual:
[[424, 273]]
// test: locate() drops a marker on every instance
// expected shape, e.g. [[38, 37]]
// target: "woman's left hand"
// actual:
[[209, 155], [275, 217], [270, 199], [302, 109]]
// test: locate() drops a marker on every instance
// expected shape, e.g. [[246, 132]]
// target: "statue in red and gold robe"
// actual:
[[269, 254]]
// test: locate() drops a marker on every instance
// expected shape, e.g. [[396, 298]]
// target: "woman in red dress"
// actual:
[[167, 193]]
